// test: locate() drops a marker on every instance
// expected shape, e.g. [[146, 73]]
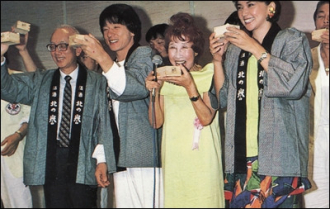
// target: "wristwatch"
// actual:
[[194, 99], [19, 133], [263, 56]]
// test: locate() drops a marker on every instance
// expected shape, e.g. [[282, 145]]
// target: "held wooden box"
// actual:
[[169, 71], [10, 38], [316, 34], [220, 30], [77, 36], [21, 27]]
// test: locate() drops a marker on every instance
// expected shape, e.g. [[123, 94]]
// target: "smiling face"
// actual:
[[180, 52], [65, 60], [118, 38], [253, 15]]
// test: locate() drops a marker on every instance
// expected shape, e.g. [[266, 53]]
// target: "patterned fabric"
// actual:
[[66, 115], [251, 190]]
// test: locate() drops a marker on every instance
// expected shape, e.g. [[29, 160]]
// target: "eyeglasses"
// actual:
[[60, 47]]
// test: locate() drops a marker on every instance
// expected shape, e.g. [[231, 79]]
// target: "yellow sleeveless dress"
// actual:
[[192, 177]]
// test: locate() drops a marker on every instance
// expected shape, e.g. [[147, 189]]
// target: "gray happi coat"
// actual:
[[34, 89], [284, 111]]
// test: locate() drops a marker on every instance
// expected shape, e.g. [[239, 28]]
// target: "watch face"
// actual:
[[263, 56]]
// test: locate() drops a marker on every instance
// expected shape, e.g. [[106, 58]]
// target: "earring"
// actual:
[[271, 12]]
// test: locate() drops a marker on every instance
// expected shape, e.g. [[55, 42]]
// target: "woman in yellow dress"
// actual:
[[191, 146]]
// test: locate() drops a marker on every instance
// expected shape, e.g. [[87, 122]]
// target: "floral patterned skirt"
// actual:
[[251, 190]]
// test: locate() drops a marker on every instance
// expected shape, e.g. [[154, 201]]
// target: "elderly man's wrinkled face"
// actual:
[[64, 57]]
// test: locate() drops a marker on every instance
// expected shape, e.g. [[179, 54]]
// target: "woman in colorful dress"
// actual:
[[263, 82]]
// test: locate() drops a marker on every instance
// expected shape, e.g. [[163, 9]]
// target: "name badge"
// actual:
[[13, 109]]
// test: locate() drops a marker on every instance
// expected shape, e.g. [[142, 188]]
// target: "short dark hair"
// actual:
[[122, 14], [319, 4], [183, 28], [155, 31], [278, 9]]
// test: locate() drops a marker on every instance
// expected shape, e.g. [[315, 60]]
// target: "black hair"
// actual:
[[122, 14], [155, 31], [278, 9], [233, 19], [319, 4]]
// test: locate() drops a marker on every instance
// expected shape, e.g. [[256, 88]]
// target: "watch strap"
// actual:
[[263, 56], [19, 133], [194, 99]]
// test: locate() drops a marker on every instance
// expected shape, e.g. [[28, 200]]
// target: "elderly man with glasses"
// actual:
[[69, 118]]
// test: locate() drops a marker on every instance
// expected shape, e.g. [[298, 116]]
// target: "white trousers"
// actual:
[[138, 188], [14, 194], [319, 197]]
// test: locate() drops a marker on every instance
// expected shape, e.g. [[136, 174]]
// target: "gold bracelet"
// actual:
[[19, 133]]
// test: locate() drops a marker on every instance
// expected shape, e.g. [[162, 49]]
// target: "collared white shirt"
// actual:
[[321, 102], [116, 78]]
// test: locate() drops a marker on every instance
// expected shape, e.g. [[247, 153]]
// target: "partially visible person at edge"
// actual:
[[14, 124], [191, 145], [138, 182], [67, 171], [263, 82], [155, 36], [318, 196]]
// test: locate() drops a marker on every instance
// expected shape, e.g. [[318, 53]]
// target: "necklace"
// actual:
[[327, 69]]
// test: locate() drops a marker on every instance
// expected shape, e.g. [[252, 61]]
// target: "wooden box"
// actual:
[[316, 34], [169, 71], [77, 36], [220, 30], [21, 27], [10, 38]]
